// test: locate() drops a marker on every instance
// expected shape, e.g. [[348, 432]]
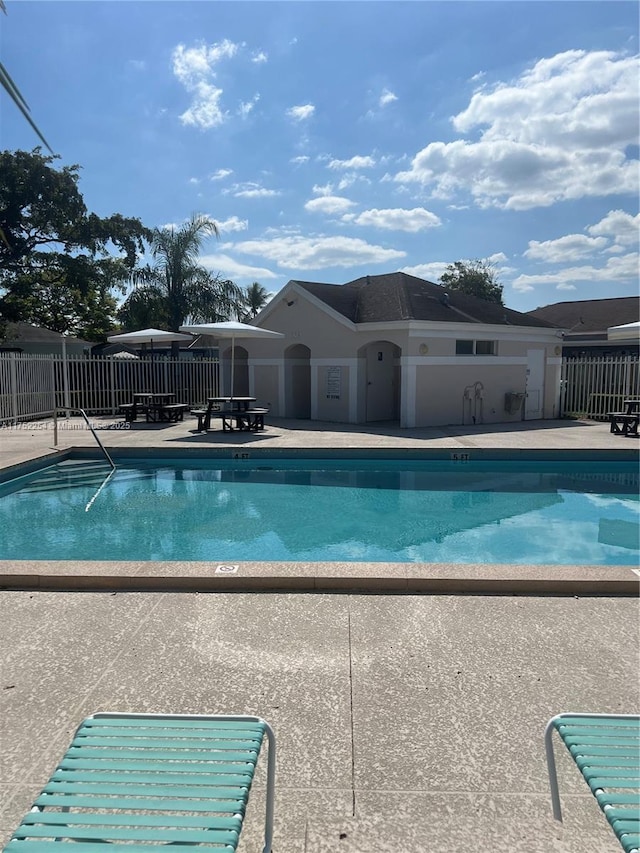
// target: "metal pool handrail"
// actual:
[[95, 435]]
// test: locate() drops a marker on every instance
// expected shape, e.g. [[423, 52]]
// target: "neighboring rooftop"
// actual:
[[16, 333], [590, 315], [400, 296]]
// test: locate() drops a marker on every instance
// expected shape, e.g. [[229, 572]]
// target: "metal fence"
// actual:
[[36, 385], [592, 387]]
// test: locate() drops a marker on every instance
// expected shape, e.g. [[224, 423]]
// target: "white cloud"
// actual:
[[430, 272], [302, 158], [351, 178], [194, 180], [572, 247], [398, 219], [234, 269], [233, 223], [331, 204], [618, 226], [220, 174], [196, 68], [322, 189], [313, 253], [246, 106], [357, 162], [192, 64], [302, 112], [259, 57], [255, 191], [387, 97], [620, 268], [205, 111], [558, 132]]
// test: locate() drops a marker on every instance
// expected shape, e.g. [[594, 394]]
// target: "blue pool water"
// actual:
[[310, 510]]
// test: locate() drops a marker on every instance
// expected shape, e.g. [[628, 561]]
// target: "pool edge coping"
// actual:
[[394, 578]]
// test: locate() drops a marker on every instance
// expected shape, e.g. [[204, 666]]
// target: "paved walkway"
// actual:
[[406, 722], [26, 441]]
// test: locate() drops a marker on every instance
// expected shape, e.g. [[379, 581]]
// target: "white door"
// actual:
[[535, 384]]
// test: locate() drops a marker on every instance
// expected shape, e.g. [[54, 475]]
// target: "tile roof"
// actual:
[[591, 315], [25, 332], [400, 296]]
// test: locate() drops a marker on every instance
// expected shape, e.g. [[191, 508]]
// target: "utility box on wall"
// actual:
[[513, 402]]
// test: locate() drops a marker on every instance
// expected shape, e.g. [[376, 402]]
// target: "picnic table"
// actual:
[[626, 422], [235, 413], [157, 406]]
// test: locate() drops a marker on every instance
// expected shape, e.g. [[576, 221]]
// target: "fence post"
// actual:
[[65, 377], [112, 383], [14, 387]]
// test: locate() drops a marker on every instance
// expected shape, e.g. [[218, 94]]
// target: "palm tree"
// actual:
[[255, 298], [177, 283]]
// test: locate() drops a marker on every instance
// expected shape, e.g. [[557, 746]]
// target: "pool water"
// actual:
[[320, 510]]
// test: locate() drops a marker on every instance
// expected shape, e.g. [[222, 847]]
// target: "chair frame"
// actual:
[[598, 791], [163, 766]]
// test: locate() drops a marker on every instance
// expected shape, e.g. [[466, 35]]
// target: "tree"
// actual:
[[255, 298], [176, 287], [475, 278], [59, 264]]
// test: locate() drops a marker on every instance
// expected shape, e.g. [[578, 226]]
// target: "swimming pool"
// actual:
[[325, 510]]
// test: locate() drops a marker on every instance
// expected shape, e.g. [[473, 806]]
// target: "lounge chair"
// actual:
[[139, 780], [606, 749]]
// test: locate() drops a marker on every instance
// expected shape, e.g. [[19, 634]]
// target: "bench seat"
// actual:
[[238, 419], [606, 750], [132, 410], [204, 418], [140, 780], [247, 419], [623, 423], [171, 412]]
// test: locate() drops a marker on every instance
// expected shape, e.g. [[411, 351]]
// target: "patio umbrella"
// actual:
[[230, 329], [148, 336]]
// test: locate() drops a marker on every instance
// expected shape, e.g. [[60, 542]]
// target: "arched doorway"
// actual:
[[382, 359], [240, 370], [297, 381]]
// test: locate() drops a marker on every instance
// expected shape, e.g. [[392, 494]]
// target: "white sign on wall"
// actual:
[[334, 383]]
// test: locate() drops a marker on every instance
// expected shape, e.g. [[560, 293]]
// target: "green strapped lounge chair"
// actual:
[[142, 780], [606, 748]]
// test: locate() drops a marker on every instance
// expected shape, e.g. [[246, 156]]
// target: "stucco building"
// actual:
[[397, 348]]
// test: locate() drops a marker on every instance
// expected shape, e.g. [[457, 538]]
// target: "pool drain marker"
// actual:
[[226, 570]]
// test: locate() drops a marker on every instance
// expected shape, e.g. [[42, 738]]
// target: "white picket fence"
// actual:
[[33, 386], [591, 387]]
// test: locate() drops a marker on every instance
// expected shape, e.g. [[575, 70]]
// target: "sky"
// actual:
[[332, 139]]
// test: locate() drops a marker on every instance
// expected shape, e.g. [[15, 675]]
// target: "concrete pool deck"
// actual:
[[405, 722]]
